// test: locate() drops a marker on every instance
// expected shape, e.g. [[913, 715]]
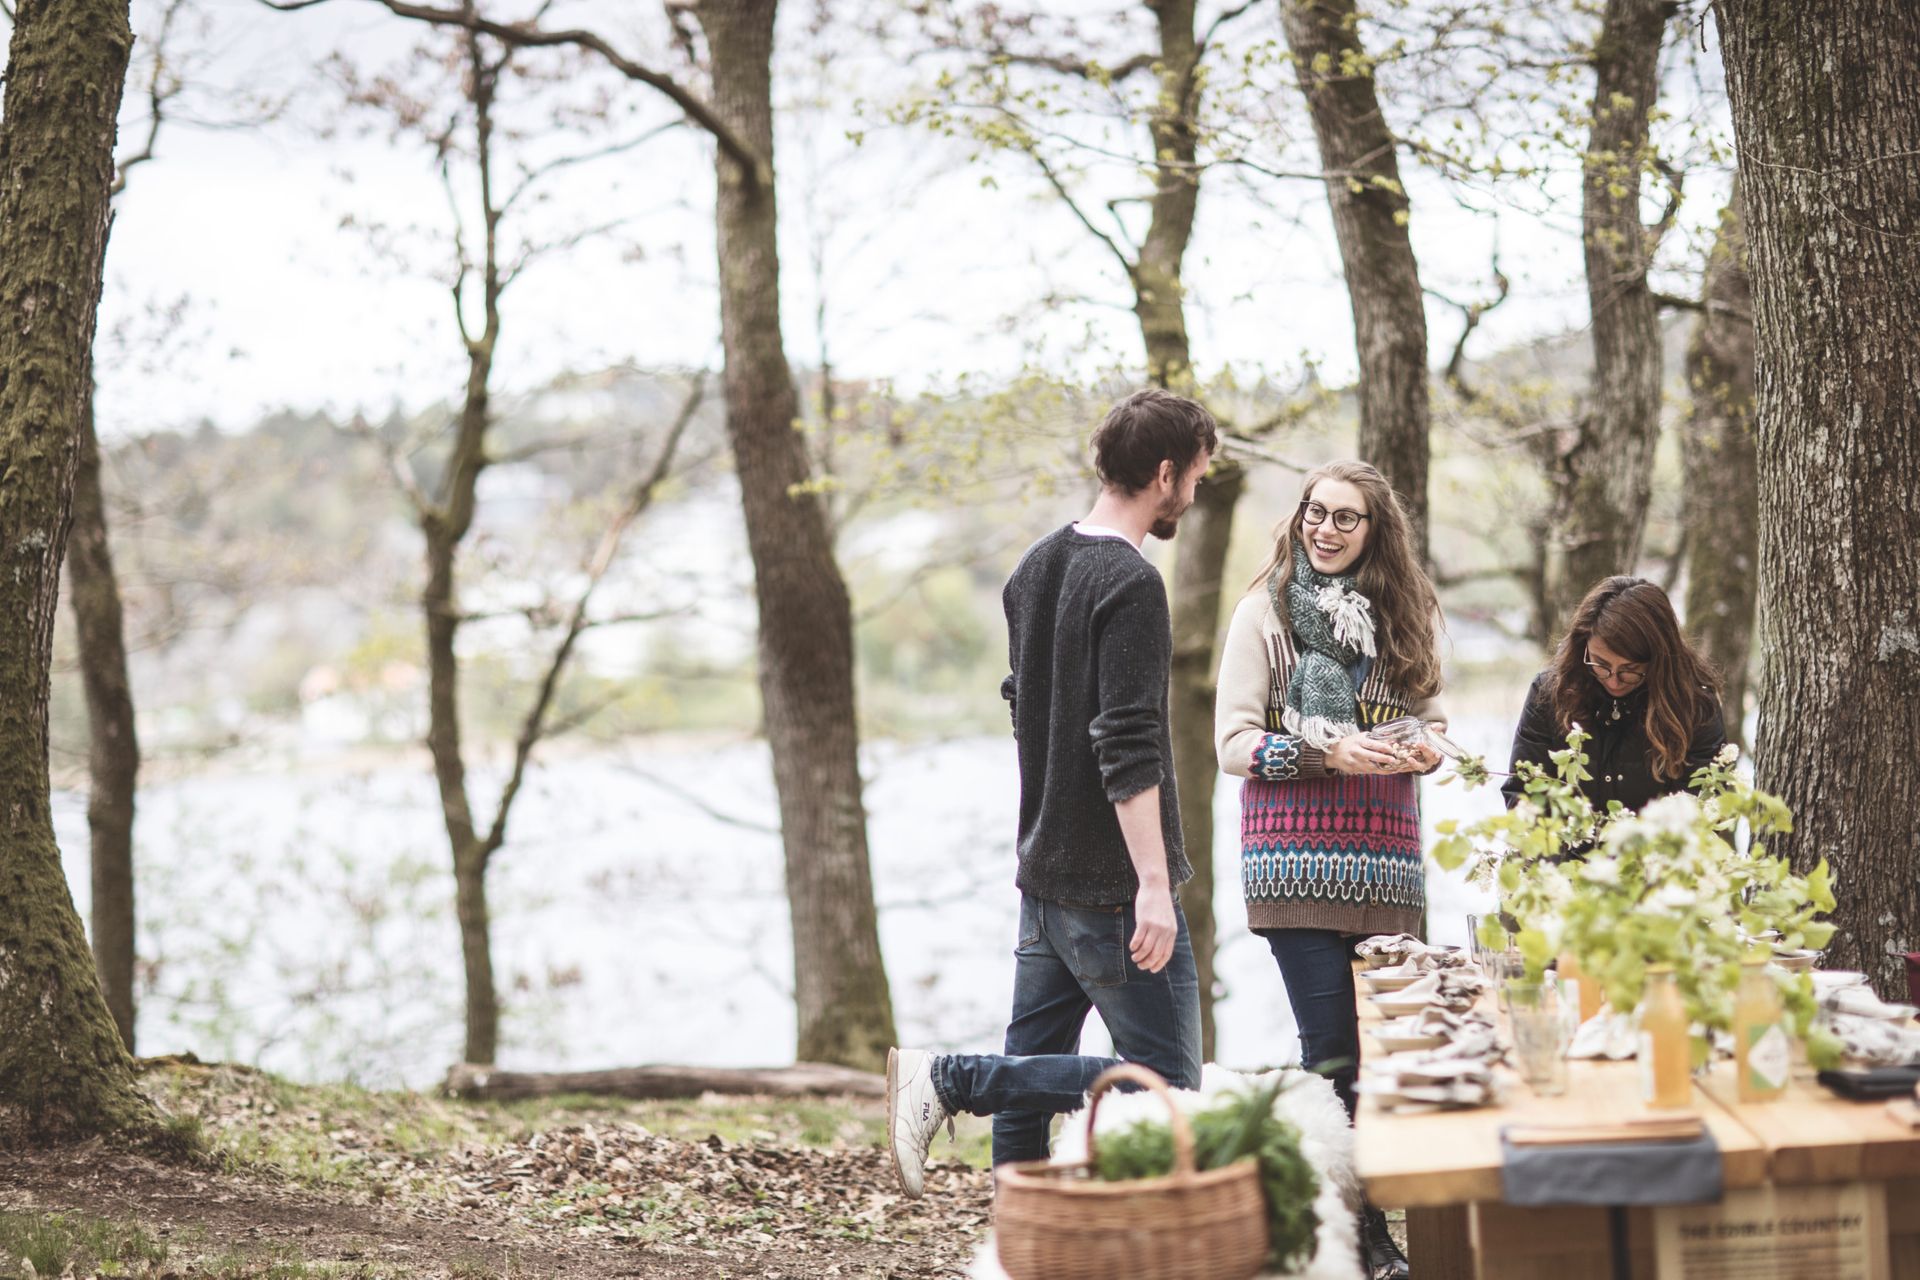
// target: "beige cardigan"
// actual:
[[1255, 664]]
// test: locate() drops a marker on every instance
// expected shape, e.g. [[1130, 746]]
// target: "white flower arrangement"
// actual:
[[1671, 885]]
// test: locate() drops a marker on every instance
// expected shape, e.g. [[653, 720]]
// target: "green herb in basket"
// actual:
[[1240, 1124]]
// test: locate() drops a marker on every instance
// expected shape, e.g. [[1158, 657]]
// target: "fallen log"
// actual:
[[801, 1080]]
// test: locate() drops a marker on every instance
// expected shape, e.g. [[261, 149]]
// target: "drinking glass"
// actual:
[[1540, 1035]]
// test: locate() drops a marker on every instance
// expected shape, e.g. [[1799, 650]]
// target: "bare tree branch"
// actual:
[[549, 444], [530, 176], [397, 465], [162, 87], [1066, 197], [1213, 28], [535, 727], [756, 167], [1083, 68], [718, 815], [1471, 314], [1254, 449]]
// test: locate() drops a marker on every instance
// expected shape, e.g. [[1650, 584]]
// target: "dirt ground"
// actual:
[[344, 1183]]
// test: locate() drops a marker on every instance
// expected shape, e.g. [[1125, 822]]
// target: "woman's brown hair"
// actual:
[[1388, 574], [1634, 618]]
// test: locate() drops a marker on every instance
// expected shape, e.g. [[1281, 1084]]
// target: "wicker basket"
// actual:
[[1057, 1222]]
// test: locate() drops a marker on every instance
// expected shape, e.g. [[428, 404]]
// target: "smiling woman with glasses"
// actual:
[[1625, 673], [1336, 637]]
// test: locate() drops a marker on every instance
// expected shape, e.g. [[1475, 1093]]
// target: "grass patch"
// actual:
[[91, 1246], [50, 1241]]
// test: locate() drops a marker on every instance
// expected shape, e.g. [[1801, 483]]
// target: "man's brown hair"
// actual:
[[1147, 428]]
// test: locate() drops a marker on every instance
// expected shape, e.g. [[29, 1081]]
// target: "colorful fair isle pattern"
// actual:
[[1276, 758], [1338, 839]]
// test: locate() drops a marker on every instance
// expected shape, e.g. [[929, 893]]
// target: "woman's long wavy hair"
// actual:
[[1405, 606], [1634, 618]]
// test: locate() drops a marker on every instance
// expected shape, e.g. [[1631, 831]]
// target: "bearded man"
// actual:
[[1089, 641]]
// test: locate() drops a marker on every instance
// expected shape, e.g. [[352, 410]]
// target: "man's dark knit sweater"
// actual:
[[1090, 643]]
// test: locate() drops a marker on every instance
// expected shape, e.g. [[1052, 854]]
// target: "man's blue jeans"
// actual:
[[1070, 960], [1317, 967]]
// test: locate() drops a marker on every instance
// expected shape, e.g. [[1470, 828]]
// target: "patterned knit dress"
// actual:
[[1318, 850]]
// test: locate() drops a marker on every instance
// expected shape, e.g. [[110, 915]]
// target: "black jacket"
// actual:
[[1618, 756]]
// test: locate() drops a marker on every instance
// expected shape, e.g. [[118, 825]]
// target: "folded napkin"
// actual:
[[1409, 951], [1423, 1081], [1606, 1035], [1455, 1073], [1457, 990], [1860, 1002]]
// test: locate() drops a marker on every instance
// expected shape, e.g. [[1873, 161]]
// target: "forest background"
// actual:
[[553, 587]]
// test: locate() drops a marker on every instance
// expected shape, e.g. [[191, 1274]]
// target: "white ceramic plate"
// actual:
[[1390, 981], [1398, 1043], [1394, 1005]]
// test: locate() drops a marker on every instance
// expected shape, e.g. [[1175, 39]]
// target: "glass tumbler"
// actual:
[[1540, 1035]]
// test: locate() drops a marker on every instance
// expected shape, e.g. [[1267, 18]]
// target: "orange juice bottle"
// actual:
[[1762, 1050], [1576, 983], [1665, 1051]]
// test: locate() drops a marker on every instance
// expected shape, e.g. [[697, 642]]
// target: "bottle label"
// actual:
[[1769, 1056]]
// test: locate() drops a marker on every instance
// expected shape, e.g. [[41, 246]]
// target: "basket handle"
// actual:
[[1134, 1073]]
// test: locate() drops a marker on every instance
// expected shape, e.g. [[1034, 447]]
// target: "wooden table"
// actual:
[[1444, 1169]]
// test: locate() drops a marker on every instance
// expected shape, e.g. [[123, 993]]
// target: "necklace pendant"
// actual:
[[1616, 709]]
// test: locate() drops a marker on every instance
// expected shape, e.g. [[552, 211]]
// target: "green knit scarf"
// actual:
[[1332, 627]]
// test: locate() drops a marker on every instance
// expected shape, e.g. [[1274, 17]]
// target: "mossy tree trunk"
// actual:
[[1825, 97], [63, 1067], [1722, 499], [845, 1010], [1603, 475], [1370, 220]]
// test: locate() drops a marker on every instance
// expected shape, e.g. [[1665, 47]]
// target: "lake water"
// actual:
[[301, 918]]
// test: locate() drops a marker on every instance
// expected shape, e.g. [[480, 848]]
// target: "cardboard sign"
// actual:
[[1836, 1232]]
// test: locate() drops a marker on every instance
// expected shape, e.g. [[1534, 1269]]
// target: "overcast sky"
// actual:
[[929, 274]]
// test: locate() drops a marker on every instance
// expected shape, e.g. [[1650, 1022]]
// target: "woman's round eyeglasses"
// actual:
[[1602, 671], [1345, 519]]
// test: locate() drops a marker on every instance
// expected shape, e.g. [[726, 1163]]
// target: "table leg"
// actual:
[[1439, 1244]]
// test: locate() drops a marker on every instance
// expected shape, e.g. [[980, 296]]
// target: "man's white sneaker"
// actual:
[[914, 1115]]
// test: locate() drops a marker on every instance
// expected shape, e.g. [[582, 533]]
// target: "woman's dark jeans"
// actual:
[[1317, 967]]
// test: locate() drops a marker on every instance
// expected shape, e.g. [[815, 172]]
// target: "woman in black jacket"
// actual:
[[1626, 675]]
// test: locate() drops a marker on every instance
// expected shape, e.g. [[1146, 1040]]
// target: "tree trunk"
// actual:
[[1200, 552], [1722, 482], [1200, 557], [801, 1080], [806, 625], [1826, 112], [444, 524], [113, 756], [444, 529], [1159, 294], [63, 1068], [1603, 478], [1370, 216]]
